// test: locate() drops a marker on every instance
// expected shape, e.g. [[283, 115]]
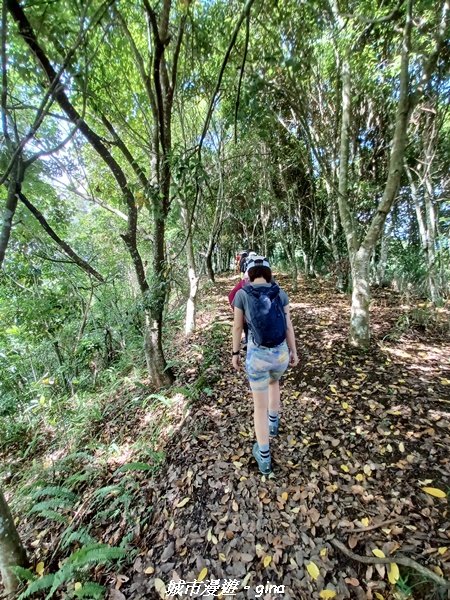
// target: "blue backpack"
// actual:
[[267, 320]]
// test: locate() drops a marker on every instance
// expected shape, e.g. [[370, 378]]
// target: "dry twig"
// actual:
[[404, 561]]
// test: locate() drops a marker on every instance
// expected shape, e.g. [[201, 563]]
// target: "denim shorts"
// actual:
[[265, 364]]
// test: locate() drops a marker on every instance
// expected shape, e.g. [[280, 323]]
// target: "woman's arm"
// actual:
[[238, 325], [290, 338]]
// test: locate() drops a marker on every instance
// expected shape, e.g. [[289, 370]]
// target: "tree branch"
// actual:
[[243, 15], [404, 561], [61, 243]]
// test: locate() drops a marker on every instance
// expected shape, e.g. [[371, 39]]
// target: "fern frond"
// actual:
[[52, 515], [81, 476], [80, 535], [54, 490], [97, 553], [134, 466], [91, 590], [51, 503], [43, 583], [107, 489], [61, 576], [24, 574]]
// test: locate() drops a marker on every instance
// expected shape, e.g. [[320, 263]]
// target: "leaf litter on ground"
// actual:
[[362, 457]]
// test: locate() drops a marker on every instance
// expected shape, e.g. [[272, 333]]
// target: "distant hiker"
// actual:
[[243, 263], [240, 284], [271, 347], [237, 261]]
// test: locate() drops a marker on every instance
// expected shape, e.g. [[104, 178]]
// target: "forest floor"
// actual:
[[362, 458]]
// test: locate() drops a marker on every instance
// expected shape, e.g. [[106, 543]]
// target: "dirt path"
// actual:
[[361, 435]]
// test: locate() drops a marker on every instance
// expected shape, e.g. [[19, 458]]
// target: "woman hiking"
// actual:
[[270, 349]]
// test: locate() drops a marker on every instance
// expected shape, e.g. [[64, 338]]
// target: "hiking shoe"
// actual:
[[273, 427], [265, 466]]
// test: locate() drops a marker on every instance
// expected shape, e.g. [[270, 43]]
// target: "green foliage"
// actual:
[[74, 565]]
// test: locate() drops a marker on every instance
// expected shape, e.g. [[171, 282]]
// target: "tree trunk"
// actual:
[[16, 177], [160, 375], [209, 266], [384, 251], [359, 319], [12, 552], [191, 306]]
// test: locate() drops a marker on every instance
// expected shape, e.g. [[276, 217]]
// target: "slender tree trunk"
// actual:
[[16, 177], [160, 375], [12, 552], [191, 306], [359, 319], [384, 252]]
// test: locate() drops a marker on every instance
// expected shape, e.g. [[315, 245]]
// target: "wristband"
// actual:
[[235, 353]]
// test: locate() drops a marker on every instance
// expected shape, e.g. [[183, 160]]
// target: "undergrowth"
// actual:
[[79, 467]]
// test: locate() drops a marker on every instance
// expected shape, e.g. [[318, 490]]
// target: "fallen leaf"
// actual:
[[78, 585], [313, 570], [327, 594], [365, 521], [434, 492], [442, 549], [160, 587], [267, 560], [203, 573], [379, 596], [182, 502], [378, 552], [40, 568], [393, 573], [345, 468], [149, 570], [285, 496]]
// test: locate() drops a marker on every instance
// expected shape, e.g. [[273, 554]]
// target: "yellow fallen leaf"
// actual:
[[327, 594], [359, 477], [379, 596], [323, 552], [333, 389], [345, 468], [379, 553], [345, 406], [160, 587], [149, 570], [434, 492], [267, 560], [442, 549], [295, 510], [445, 381], [393, 573], [182, 502], [438, 571], [40, 568], [222, 557], [78, 586], [203, 573], [331, 488], [285, 496], [313, 570], [401, 447], [365, 521], [367, 470]]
